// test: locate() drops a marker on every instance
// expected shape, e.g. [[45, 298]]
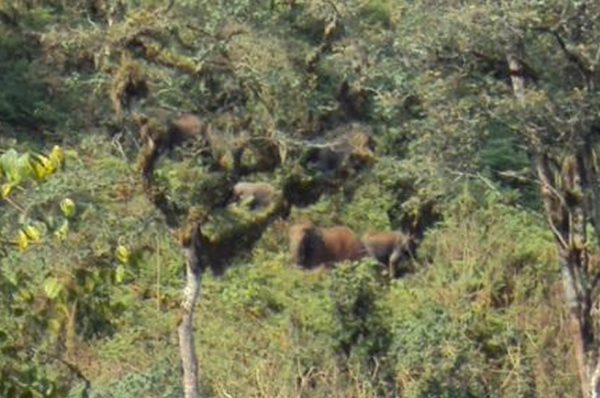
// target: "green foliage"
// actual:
[[23, 99], [377, 12], [156, 381], [459, 325], [360, 326], [17, 169], [463, 325], [24, 374], [64, 285], [369, 208]]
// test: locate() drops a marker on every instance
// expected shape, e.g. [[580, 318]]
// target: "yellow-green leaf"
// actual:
[[120, 273], [52, 287], [67, 206], [62, 232], [8, 162], [22, 240], [122, 254], [25, 295], [54, 326], [57, 157], [42, 167], [24, 167], [32, 233], [40, 173], [6, 189]]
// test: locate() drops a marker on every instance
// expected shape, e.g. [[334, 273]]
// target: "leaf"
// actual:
[[8, 162], [22, 240], [24, 167], [67, 206], [32, 233], [40, 173], [120, 274], [62, 232], [57, 157], [122, 254], [6, 189], [42, 167], [25, 295], [283, 151], [54, 326], [52, 287], [10, 275], [49, 390]]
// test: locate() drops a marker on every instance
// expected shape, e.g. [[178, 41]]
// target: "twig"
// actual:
[[73, 368], [168, 7], [541, 168], [485, 180], [15, 205], [334, 7], [157, 273], [571, 55]]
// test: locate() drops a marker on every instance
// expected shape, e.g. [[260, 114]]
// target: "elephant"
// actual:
[[390, 248], [162, 134], [312, 246], [255, 195], [186, 127]]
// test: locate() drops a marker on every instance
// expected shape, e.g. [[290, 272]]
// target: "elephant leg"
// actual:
[[393, 263]]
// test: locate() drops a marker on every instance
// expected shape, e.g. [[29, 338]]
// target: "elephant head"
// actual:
[[390, 248]]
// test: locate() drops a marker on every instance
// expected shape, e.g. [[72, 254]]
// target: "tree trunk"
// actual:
[[595, 382], [187, 346], [592, 184], [570, 297], [562, 182], [189, 361], [567, 220]]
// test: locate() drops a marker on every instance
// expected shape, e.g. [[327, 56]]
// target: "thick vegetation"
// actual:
[[375, 114]]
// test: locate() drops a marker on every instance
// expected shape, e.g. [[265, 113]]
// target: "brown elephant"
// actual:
[[186, 127], [255, 195], [164, 134], [390, 248], [311, 246]]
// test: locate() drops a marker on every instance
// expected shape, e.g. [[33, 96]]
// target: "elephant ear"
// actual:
[[312, 247], [301, 252]]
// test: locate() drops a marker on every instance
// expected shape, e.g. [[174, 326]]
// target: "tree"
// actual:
[[145, 53], [529, 70], [212, 232], [559, 125]]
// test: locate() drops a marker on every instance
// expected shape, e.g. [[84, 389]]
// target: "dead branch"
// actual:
[[572, 56]]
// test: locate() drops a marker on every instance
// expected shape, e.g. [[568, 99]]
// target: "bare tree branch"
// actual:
[[572, 56]]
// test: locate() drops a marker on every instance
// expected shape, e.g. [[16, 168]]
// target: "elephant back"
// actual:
[[342, 244]]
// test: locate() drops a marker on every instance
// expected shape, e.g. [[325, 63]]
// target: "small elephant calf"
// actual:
[[389, 248], [255, 195]]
